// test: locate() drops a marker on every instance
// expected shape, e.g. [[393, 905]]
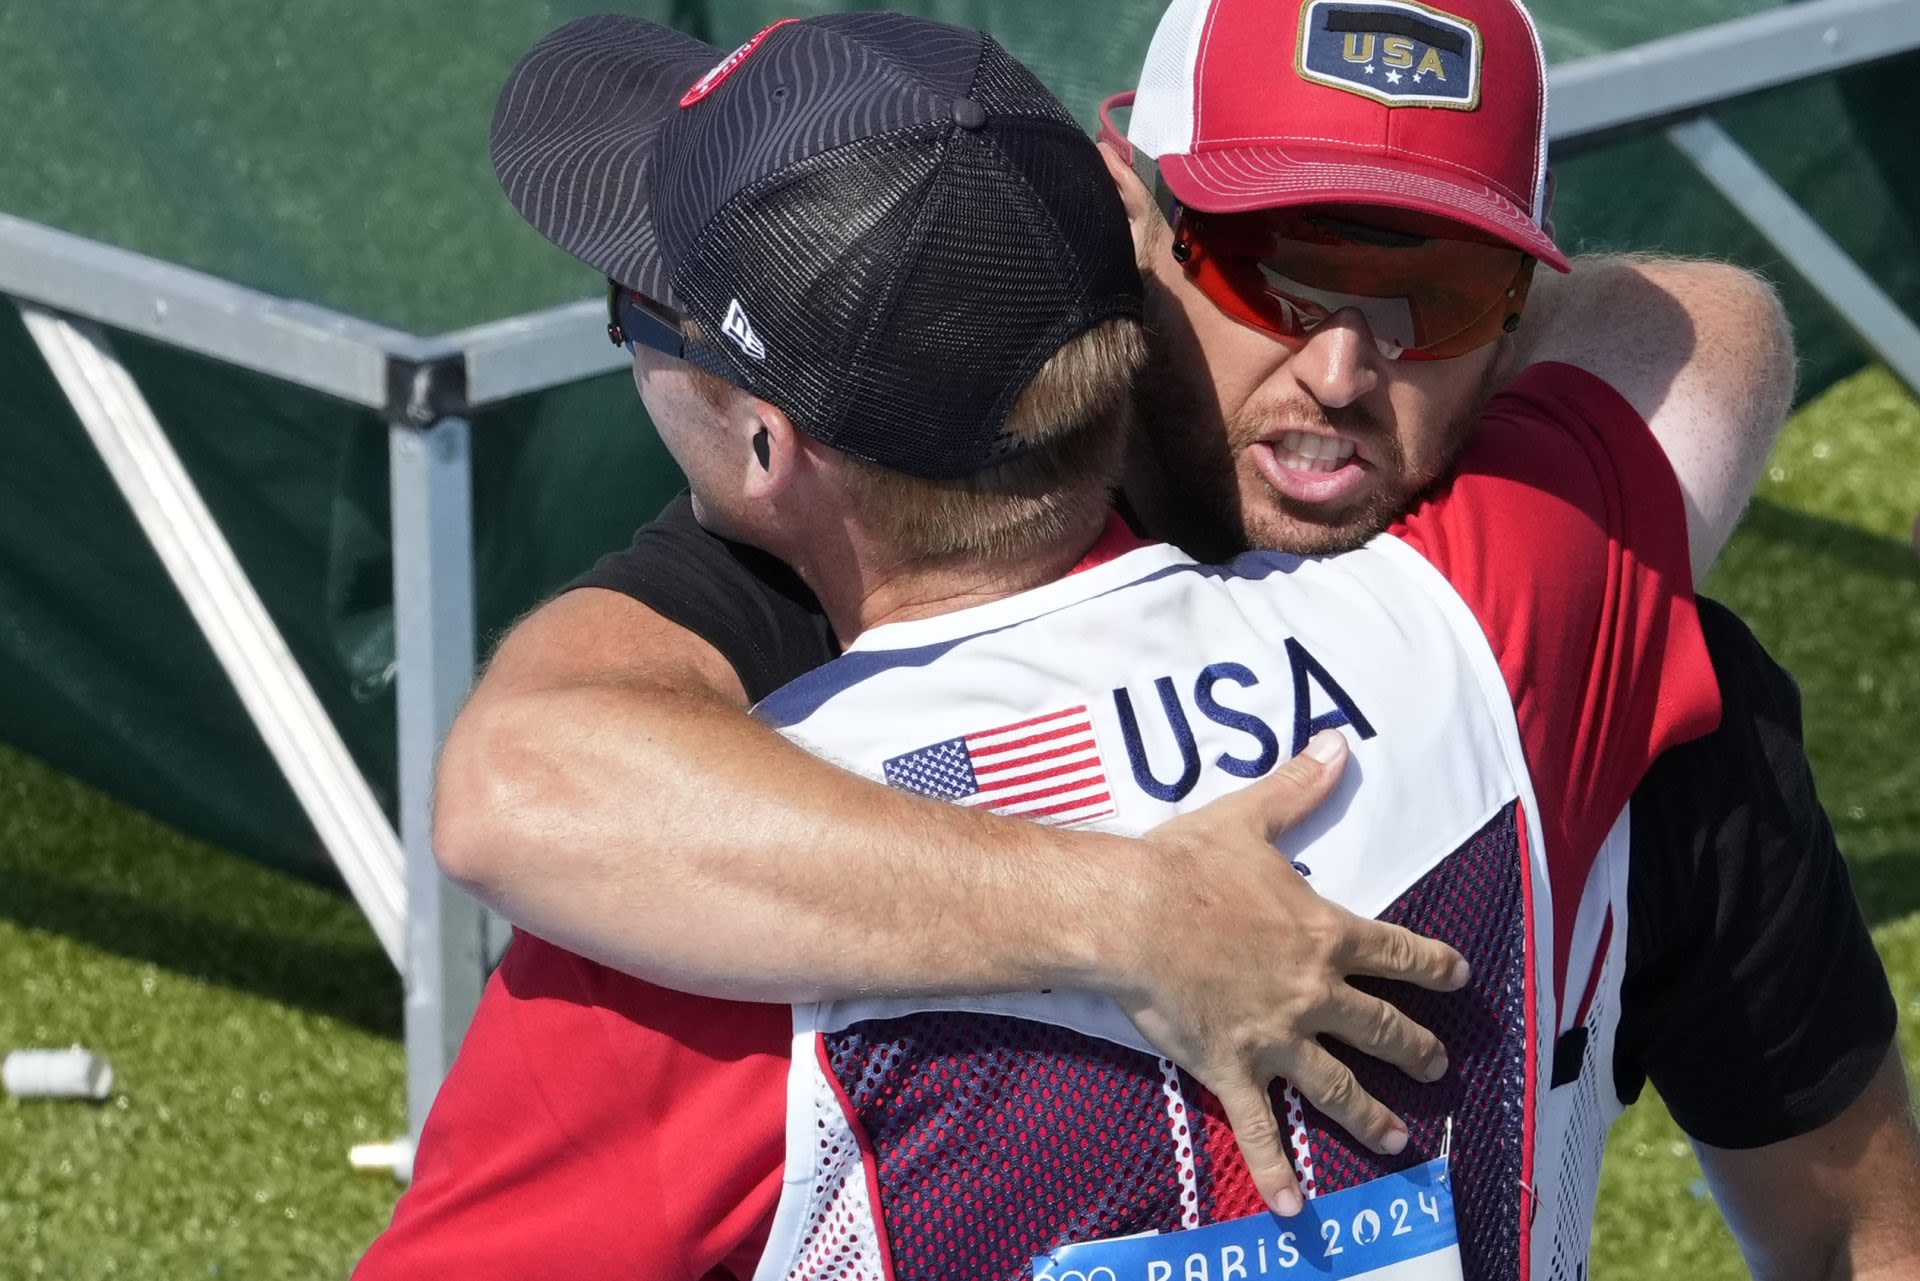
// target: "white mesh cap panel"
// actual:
[[838, 1239], [1539, 210], [1162, 120]]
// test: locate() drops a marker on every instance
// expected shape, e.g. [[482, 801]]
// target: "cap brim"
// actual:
[[1240, 179], [573, 135]]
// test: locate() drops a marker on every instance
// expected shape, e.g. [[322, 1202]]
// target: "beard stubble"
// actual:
[[1185, 468]]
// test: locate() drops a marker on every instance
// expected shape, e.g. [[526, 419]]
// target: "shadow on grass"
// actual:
[[347, 981], [1854, 548], [1888, 887]]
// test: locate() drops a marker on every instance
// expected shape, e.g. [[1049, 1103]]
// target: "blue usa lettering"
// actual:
[[1313, 686], [1246, 722], [1308, 675], [1182, 737]]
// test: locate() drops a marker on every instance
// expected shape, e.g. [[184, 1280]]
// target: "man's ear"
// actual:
[[774, 448], [1142, 215]]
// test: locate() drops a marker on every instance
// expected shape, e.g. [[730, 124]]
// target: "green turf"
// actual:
[[1824, 569], [253, 1019]]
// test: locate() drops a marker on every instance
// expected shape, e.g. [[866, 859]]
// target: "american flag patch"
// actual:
[[1046, 768]]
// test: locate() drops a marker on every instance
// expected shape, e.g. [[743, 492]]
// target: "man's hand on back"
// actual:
[[1257, 970], [563, 803]]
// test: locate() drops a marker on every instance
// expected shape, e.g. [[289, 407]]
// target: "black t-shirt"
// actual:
[[1753, 997]]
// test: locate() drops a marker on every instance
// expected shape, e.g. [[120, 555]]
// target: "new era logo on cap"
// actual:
[[1393, 51], [737, 327]]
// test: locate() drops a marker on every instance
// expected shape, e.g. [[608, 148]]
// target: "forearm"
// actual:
[[1875, 1247], [670, 836], [1701, 349], [1841, 1202]]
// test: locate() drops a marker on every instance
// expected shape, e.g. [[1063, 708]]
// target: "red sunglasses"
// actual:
[[1425, 291]]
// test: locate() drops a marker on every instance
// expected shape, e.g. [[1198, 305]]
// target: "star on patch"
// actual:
[[1393, 77], [1368, 68]]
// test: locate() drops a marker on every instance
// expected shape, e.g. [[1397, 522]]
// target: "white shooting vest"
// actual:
[[961, 1137]]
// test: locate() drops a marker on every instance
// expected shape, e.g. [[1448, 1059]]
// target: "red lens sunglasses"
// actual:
[[1425, 294]]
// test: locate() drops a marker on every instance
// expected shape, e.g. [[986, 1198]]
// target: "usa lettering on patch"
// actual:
[[1046, 768], [1393, 51]]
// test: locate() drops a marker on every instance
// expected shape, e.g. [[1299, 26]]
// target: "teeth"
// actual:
[[1304, 451]]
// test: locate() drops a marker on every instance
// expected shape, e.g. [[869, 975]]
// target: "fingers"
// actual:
[[1375, 1028], [1384, 951], [1325, 1082], [1250, 1112], [1291, 792], [1276, 802]]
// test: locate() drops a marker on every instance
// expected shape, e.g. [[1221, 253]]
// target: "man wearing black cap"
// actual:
[[883, 308], [692, 196]]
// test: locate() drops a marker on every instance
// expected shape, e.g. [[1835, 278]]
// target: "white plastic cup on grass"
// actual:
[[395, 1158], [57, 1074]]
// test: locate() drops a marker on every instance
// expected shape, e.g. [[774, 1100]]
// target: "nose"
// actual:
[[1340, 362]]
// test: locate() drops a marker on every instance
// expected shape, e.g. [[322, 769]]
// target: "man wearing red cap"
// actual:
[[1394, 179], [1232, 136], [1308, 156]]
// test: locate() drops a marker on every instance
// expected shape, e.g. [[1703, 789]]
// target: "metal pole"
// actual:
[[1861, 304], [297, 342], [1599, 97], [433, 623]]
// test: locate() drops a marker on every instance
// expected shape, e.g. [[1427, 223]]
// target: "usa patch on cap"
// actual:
[[1393, 51]]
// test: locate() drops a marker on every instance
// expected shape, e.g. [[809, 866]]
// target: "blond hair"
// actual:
[[1073, 419]]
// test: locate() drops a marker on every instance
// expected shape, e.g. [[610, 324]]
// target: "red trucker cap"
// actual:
[[1438, 108]]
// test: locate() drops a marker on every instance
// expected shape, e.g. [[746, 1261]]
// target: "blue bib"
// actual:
[[1400, 1226]]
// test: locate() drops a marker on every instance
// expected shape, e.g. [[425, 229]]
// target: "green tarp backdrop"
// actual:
[[337, 153]]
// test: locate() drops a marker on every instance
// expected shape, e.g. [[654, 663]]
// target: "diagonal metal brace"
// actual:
[[1875, 319], [274, 690]]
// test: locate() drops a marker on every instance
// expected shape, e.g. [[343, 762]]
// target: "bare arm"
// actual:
[[1701, 349], [606, 790], [1839, 1204], [606, 787]]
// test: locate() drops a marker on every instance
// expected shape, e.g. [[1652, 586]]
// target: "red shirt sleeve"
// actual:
[[597, 1126], [1563, 529]]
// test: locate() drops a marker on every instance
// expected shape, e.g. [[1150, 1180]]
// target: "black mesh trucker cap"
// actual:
[[884, 225]]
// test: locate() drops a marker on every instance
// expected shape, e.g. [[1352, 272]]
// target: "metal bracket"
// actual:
[[423, 389]]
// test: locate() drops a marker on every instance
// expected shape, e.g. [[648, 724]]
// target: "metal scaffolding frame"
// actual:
[[70, 291]]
